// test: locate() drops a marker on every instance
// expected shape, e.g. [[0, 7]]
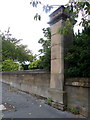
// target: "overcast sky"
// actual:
[[18, 15]]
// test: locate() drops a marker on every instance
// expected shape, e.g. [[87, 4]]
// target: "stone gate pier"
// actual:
[[71, 92], [59, 46]]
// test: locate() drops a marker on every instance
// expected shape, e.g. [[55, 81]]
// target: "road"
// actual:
[[22, 105]]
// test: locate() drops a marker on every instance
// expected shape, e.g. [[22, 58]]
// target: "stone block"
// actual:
[[57, 51], [55, 27], [68, 40], [57, 65], [58, 106], [57, 81], [56, 39], [78, 97], [36, 82], [58, 96]]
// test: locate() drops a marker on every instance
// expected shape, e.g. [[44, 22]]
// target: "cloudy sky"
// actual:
[[18, 15]]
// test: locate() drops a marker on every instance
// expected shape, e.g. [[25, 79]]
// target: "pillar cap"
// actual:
[[57, 15], [61, 8]]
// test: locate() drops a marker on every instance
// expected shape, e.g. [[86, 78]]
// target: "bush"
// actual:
[[78, 57], [0, 67], [46, 60], [9, 65], [34, 64], [25, 67]]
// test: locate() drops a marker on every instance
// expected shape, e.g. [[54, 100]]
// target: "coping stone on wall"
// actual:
[[78, 82]]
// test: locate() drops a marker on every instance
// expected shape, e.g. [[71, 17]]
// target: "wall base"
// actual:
[[58, 97]]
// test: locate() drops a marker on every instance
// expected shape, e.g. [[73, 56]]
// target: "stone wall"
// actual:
[[36, 81], [78, 94]]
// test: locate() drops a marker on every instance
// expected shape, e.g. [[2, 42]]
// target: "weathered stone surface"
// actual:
[[36, 82], [58, 106], [57, 66], [78, 82], [57, 61], [55, 27], [56, 39], [68, 40], [78, 96], [59, 97], [57, 81], [57, 51]]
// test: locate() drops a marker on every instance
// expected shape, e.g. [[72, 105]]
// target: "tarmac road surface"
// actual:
[[22, 105]]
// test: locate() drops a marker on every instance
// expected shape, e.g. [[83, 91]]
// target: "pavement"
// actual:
[[23, 105]]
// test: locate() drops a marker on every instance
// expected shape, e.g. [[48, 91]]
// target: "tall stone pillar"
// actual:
[[59, 45]]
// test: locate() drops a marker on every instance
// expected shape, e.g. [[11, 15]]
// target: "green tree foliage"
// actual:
[[34, 64], [12, 49], [9, 65], [72, 9], [0, 67], [45, 52], [45, 8], [0, 54], [46, 49], [78, 56], [77, 59]]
